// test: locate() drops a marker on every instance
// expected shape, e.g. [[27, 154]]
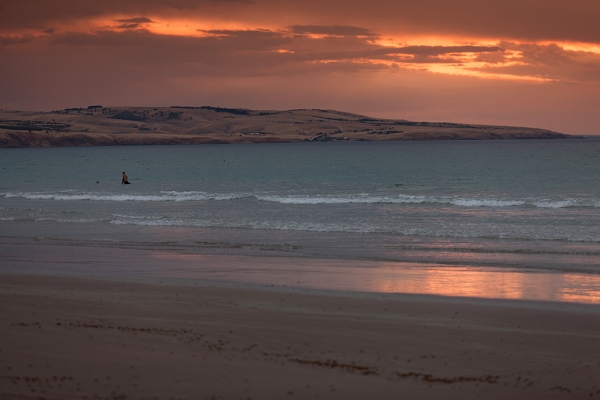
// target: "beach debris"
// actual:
[[431, 379], [364, 370]]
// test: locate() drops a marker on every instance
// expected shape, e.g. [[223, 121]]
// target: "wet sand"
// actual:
[[83, 338]]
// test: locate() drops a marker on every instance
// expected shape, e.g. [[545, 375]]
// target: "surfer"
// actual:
[[124, 181]]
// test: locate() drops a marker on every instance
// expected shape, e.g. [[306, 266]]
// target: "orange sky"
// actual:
[[512, 62]]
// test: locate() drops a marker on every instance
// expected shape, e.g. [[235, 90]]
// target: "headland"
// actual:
[[112, 126]]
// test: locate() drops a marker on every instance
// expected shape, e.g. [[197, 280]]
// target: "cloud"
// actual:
[[259, 51], [251, 52], [438, 50], [14, 40], [243, 33], [136, 20], [128, 26], [133, 23], [526, 20], [518, 20], [344, 49], [549, 61], [336, 30], [105, 38], [31, 14]]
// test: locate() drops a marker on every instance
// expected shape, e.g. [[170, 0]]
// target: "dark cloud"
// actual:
[[106, 38], [128, 26], [13, 40], [556, 20], [35, 13], [136, 20], [549, 61], [240, 52], [535, 54], [260, 51], [247, 41], [340, 48], [243, 33], [438, 50], [336, 30]]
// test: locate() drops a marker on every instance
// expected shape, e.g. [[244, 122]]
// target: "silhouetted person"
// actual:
[[124, 181]]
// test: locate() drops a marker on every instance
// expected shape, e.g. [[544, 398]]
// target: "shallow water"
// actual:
[[501, 205]]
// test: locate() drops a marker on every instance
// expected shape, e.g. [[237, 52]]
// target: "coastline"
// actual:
[[68, 337]]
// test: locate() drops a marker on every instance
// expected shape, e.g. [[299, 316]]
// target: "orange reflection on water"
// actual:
[[449, 281], [385, 277], [177, 256], [489, 283], [581, 289]]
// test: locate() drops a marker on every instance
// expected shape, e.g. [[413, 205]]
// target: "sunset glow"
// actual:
[[385, 43]]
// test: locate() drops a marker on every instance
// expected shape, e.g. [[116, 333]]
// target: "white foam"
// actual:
[[352, 228], [75, 220], [415, 199], [362, 199], [163, 196], [486, 203], [558, 204], [313, 199], [273, 225]]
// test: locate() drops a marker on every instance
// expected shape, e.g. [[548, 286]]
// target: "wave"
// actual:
[[162, 196], [398, 199], [453, 231], [334, 227], [314, 199], [417, 199]]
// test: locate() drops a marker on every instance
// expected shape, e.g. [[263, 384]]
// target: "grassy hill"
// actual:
[[102, 126]]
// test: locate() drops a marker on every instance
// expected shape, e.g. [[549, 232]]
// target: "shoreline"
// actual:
[[66, 337], [229, 285], [12, 140], [262, 265]]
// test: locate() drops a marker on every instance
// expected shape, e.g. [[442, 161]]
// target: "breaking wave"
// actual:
[[313, 199]]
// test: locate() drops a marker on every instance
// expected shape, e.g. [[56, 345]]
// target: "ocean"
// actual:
[[524, 208]]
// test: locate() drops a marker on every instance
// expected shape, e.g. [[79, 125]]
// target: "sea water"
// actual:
[[518, 205]]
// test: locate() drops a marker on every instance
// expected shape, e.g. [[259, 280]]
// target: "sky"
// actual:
[[510, 62]]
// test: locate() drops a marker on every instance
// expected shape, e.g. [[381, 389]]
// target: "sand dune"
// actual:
[[102, 126]]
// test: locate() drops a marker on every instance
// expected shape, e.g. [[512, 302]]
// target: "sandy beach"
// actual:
[[81, 338]]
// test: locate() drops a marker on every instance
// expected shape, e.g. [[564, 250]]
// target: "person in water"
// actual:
[[124, 181]]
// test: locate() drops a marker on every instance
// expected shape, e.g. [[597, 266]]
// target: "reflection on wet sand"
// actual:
[[383, 277], [457, 281], [581, 289]]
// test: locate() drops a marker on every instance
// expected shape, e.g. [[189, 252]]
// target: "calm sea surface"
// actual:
[[503, 205]]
